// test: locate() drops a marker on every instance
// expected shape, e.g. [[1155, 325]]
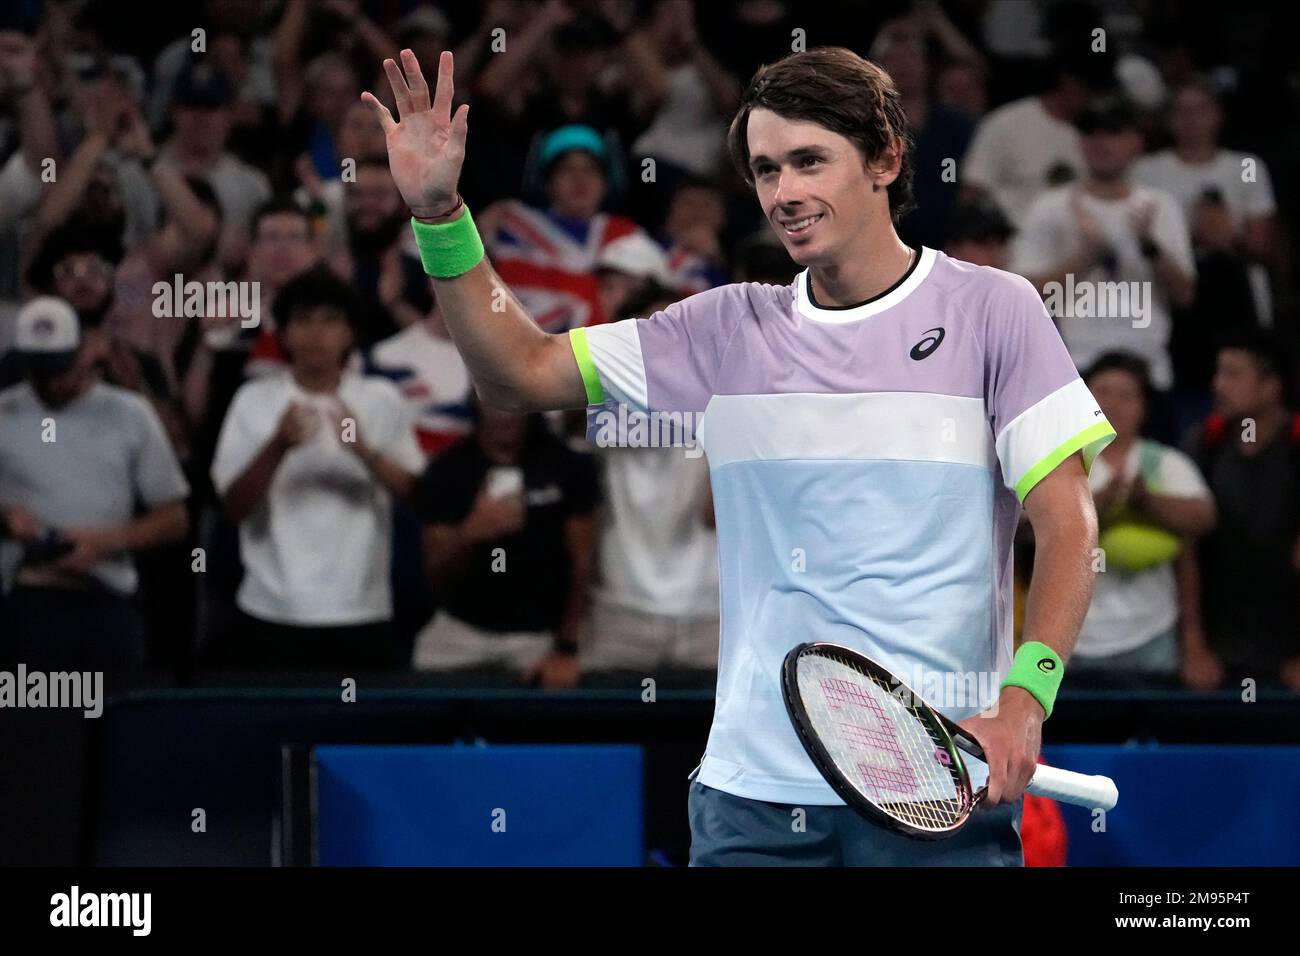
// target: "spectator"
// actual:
[[625, 266], [1141, 488], [549, 76], [394, 291], [1249, 453], [979, 233], [1031, 144], [692, 234], [77, 267], [655, 604], [1227, 198], [308, 464], [548, 256], [87, 478], [508, 545], [690, 95], [941, 134], [1086, 237], [425, 365], [202, 116], [216, 353]]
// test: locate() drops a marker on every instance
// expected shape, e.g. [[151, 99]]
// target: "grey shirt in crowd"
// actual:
[[107, 458]]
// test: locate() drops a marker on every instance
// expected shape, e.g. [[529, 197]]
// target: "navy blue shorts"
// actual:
[[727, 830]]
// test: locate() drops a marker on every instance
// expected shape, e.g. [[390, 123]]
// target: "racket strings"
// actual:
[[878, 738]]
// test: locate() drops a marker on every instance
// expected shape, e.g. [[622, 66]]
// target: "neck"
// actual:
[[1054, 103], [317, 380], [1268, 421], [875, 263], [1195, 152], [1114, 187]]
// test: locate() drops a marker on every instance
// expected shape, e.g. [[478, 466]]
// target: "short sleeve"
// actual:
[[1041, 243], [1170, 231], [1179, 477], [1039, 409], [397, 439], [665, 363], [238, 443], [982, 158], [158, 477], [1259, 194]]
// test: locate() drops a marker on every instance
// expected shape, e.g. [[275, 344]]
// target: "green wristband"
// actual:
[[1039, 670], [448, 249]]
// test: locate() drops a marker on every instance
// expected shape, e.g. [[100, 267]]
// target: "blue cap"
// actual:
[[568, 138]]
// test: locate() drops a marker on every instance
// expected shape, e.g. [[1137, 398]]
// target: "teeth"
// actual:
[[801, 223]]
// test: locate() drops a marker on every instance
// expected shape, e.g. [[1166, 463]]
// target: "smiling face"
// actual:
[[815, 187]]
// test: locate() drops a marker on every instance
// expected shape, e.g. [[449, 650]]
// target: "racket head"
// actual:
[[883, 750]]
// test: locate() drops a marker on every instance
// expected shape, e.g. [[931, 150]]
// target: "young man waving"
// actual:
[[873, 430]]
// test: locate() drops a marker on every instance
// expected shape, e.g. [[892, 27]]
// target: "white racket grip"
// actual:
[[1080, 789]]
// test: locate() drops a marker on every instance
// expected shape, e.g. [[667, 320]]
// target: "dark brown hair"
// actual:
[[839, 91]]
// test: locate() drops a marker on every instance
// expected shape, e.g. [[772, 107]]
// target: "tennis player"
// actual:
[[873, 431]]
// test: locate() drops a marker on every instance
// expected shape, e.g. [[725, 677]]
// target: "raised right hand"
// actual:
[[426, 146]]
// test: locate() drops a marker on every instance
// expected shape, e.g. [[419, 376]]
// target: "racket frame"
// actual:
[[942, 728]]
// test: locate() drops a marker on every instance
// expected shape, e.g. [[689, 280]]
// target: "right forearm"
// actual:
[[36, 129], [71, 184], [248, 490], [510, 359]]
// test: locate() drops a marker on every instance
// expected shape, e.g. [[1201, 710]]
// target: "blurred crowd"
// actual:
[[235, 434]]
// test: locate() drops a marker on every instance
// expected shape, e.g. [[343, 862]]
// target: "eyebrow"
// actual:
[[796, 153]]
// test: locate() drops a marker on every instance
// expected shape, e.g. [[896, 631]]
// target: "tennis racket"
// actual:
[[890, 755]]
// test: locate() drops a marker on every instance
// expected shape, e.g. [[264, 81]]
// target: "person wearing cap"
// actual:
[[203, 116], [87, 478], [548, 255], [1104, 230], [553, 73]]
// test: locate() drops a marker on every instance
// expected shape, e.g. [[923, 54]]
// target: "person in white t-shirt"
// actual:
[[1109, 257], [1227, 196], [1131, 634], [655, 602], [1030, 145], [308, 463]]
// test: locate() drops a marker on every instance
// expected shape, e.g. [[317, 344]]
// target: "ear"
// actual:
[[886, 167]]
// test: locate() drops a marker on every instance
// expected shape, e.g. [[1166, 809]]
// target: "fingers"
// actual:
[[442, 96], [379, 109], [415, 80], [401, 92]]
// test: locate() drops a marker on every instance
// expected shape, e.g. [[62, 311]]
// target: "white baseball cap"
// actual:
[[638, 255], [47, 333]]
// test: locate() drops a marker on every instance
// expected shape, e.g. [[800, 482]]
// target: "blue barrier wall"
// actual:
[[479, 806], [1188, 805]]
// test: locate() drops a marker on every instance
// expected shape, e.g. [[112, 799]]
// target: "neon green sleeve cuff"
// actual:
[[1038, 669], [587, 366], [1090, 441]]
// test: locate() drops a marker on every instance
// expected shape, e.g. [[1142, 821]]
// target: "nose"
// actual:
[[786, 189]]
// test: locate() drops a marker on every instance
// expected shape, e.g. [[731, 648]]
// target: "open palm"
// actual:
[[426, 145]]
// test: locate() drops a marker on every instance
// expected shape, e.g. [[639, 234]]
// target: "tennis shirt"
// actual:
[[868, 466]]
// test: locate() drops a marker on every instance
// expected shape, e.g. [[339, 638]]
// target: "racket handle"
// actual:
[[1080, 789]]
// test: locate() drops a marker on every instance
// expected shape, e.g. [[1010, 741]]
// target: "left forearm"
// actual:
[[1062, 584], [162, 525], [1191, 516]]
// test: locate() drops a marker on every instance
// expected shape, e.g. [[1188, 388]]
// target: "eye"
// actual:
[[763, 169], [810, 160]]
